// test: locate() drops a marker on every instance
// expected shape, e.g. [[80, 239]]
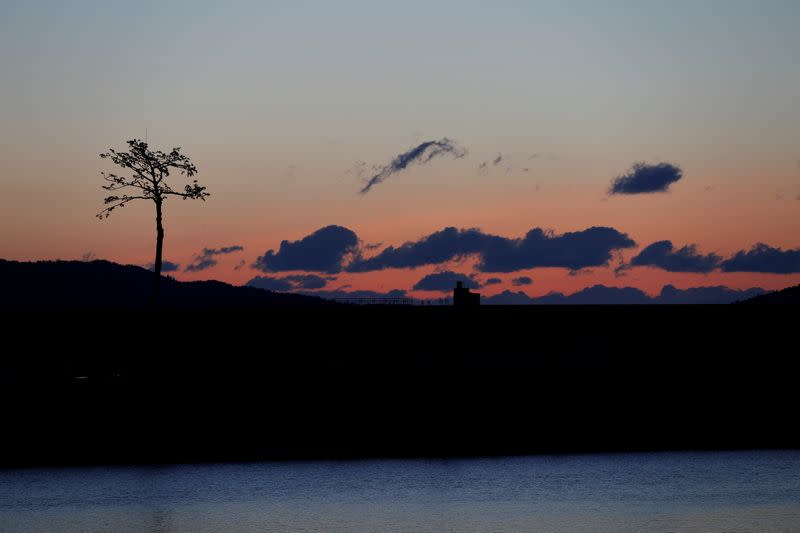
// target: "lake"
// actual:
[[692, 491]]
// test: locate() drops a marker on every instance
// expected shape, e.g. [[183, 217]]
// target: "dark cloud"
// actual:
[[444, 282], [662, 255], [439, 247], [644, 178], [493, 281], [200, 264], [270, 284], [539, 248], [764, 258], [325, 250], [223, 250], [205, 259], [308, 281], [289, 283], [166, 266], [602, 295], [573, 250], [420, 154], [522, 280]]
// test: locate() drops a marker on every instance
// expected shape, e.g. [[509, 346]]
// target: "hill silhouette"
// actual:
[[787, 296], [53, 285], [236, 373]]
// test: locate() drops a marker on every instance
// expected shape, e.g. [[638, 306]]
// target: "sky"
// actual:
[[289, 109]]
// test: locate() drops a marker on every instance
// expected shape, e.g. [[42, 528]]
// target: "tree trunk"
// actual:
[[155, 297]]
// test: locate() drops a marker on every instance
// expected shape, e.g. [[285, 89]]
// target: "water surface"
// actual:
[[731, 491]]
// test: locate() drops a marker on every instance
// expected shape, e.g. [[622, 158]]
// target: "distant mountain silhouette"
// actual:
[[789, 295], [602, 295], [98, 284]]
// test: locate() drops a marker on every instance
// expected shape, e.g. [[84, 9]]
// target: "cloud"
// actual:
[[333, 249], [539, 248], [644, 178], [573, 250], [439, 247], [602, 295], [493, 281], [200, 264], [764, 258], [308, 281], [223, 250], [444, 282], [420, 154], [205, 259], [522, 280], [325, 250], [483, 168], [662, 255], [166, 266], [289, 283], [270, 284]]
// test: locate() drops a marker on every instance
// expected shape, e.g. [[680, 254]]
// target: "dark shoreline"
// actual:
[[93, 387]]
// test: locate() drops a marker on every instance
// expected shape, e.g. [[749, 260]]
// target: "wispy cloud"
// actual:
[[290, 283], [420, 154], [206, 258], [484, 167], [166, 266]]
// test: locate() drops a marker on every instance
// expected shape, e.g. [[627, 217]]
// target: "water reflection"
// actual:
[[757, 491]]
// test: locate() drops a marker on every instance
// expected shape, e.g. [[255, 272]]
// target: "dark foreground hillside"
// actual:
[[787, 296], [71, 285], [302, 382]]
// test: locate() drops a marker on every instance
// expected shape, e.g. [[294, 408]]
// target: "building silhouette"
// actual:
[[463, 298]]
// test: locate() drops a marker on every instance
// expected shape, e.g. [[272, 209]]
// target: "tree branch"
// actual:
[[117, 201]]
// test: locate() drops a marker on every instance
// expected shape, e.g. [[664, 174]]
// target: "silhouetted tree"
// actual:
[[145, 174]]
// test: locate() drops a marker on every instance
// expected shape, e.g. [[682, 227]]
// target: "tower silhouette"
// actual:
[[463, 298]]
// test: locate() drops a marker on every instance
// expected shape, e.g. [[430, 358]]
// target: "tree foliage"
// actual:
[[145, 178]]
